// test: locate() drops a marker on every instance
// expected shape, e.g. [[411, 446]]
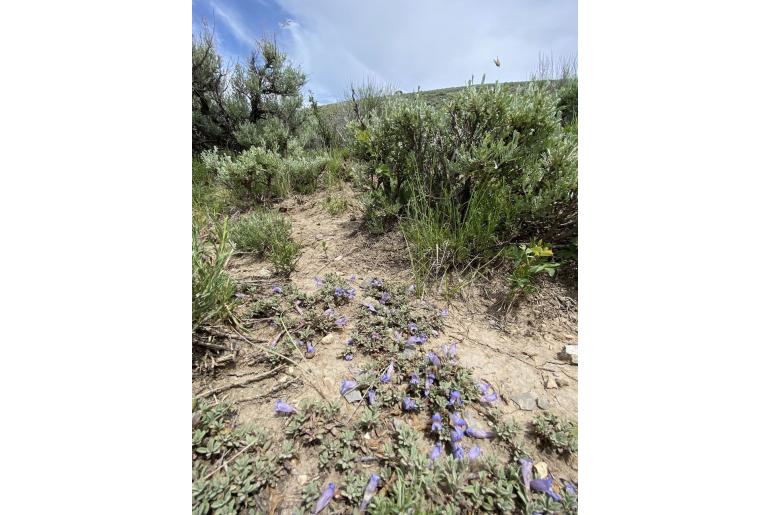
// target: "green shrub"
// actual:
[[267, 234], [212, 287], [555, 434], [487, 169], [303, 172], [255, 174]]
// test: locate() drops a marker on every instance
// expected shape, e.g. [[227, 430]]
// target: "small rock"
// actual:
[[338, 258], [526, 401], [550, 382], [353, 396], [264, 272], [543, 403], [541, 470], [329, 338], [369, 300], [569, 354], [302, 479]]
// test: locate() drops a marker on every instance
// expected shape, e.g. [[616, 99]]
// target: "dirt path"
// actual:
[[516, 355]]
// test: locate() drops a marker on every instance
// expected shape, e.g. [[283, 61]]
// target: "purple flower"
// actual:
[[370, 396], [324, 499], [329, 313], [456, 435], [429, 378], [414, 380], [437, 425], [371, 308], [353, 277], [384, 298], [417, 339], [526, 471], [349, 341], [318, 281], [369, 492], [277, 289], [433, 359], [478, 433], [385, 378], [409, 404], [474, 453], [310, 348], [412, 327], [444, 312], [570, 488], [282, 407], [545, 486], [454, 398], [348, 357], [489, 395], [450, 350], [458, 422], [375, 282], [341, 321], [435, 452], [347, 385], [457, 451]]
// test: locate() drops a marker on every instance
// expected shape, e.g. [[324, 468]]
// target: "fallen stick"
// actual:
[[276, 389], [241, 384], [212, 346]]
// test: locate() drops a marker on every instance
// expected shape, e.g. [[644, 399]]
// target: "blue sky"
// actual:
[[429, 43]]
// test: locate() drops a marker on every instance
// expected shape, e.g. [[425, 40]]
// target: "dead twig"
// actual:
[[280, 386], [241, 384]]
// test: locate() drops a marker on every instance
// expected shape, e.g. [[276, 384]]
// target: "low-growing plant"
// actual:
[[556, 434], [258, 461], [336, 204], [528, 262], [212, 287]]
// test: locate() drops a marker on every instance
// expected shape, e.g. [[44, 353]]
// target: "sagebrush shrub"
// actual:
[[303, 172]]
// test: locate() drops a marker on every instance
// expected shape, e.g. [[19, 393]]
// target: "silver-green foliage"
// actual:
[[267, 233]]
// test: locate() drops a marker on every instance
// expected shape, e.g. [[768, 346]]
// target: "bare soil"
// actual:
[[516, 352]]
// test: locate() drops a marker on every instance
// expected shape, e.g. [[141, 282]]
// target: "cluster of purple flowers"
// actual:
[[384, 298], [409, 404], [375, 282], [412, 327], [343, 293], [433, 359], [450, 350], [413, 379], [341, 321], [429, 378]]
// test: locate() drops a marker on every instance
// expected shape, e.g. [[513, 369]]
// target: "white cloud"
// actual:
[[234, 24], [431, 44]]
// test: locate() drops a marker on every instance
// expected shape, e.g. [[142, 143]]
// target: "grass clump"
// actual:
[[336, 204], [212, 287], [267, 234]]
